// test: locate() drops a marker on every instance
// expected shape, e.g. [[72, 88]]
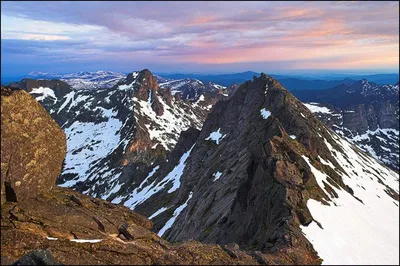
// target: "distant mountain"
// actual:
[[43, 75], [291, 82], [93, 80], [358, 92], [303, 84], [380, 79], [83, 80], [223, 79], [191, 89], [364, 113]]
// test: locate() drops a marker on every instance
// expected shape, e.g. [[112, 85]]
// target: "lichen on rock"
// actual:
[[33, 147]]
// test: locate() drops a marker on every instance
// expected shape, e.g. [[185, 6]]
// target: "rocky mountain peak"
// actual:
[[145, 87]]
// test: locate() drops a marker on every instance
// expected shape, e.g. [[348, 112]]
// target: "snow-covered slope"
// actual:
[[364, 227]]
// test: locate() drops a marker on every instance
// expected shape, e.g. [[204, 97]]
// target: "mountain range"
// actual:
[[84, 79], [291, 82], [107, 79], [248, 167]]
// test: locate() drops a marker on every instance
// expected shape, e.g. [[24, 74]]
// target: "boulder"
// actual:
[[33, 147], [37, 257]]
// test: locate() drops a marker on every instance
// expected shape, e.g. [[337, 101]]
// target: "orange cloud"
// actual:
[[201, 20]]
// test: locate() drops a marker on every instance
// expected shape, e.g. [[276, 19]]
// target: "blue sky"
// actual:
[[201, 37]]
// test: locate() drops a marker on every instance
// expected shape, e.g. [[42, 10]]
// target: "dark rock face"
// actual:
[[253, 161], [231, 90], [166, 95], [33, 147], [364, 113], [37, 257]]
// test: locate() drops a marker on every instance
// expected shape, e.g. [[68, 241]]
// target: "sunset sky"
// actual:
[[202, 37]]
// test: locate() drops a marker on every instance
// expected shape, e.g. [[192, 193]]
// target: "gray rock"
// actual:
[[37, 257]]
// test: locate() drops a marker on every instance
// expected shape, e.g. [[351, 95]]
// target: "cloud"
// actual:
[[205, 33]]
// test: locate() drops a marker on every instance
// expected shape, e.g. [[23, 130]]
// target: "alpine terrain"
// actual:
[[255, 177]]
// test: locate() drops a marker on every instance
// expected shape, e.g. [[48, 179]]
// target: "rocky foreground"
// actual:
[[70, 228]]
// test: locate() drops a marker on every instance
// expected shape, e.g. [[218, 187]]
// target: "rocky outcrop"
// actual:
[[33, 147], [94, 231]]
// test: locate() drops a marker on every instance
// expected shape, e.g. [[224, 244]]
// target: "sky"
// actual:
[[199, 37]]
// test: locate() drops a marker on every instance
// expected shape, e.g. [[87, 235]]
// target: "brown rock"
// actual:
[[33, 147]]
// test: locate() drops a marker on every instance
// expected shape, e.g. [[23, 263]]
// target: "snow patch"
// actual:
[[177, 211], [176, 173], [163, 209], [103, 138], [143, 192], [216, 136], [216, 176], [86, 240], [45, 92], [317, 109], [265, 113]]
